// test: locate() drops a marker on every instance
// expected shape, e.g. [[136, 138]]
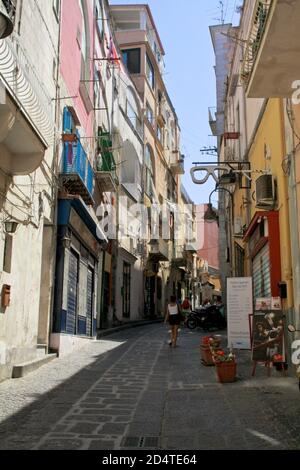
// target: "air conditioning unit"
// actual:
[[238, 227], [265, 192]]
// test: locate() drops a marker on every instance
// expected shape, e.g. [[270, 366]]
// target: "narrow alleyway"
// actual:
[[132, 391]]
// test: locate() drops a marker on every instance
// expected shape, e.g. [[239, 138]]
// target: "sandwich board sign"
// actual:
[[239, 307]]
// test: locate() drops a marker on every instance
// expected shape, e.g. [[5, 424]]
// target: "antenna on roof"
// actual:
[[222, 11]]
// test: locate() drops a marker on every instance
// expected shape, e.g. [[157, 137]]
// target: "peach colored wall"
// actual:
[[71, 62]]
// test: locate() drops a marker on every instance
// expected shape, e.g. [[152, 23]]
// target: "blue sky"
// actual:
[[183, 26]]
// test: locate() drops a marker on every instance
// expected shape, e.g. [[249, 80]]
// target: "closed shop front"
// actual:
[[263, 237], [261, 273], [78, 251]]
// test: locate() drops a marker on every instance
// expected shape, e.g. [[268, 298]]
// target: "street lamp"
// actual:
[[211, 214], [6, 24], [10, 226]]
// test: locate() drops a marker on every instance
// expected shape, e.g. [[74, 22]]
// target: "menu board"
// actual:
[[239, 307]]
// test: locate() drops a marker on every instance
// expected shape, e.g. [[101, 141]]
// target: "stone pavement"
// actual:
[[132, 391]]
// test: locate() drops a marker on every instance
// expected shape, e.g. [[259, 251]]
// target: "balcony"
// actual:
[[177, 163], [162, 112], [213, 120], [178, 260], [134, 25], [191, 246], [77, 175], [106, 166], [270, 63], [159, 250], [21, 80], [21, 150]]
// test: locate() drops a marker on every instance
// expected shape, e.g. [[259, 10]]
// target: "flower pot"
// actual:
[[226, 371], [206, 355]]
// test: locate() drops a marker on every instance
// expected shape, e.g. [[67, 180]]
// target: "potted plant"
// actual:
[[208, 345], [225, 366]]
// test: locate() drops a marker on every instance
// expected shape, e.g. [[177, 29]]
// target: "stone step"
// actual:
[[41, 350], [21, 370]]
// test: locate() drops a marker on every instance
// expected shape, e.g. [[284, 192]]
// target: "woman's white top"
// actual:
[[173, 309]]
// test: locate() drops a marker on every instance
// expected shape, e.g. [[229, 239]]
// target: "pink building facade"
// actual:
[[76, 65], [208, 237]]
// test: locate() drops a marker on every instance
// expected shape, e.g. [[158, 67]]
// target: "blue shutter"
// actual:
[[67, 121]]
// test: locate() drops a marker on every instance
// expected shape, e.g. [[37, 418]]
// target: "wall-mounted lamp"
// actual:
[[66, 241], [6, 24], [10, 227], [211, 214], [228, 178]]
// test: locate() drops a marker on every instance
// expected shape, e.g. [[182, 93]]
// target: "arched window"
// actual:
[[149, 172], [133, 111]]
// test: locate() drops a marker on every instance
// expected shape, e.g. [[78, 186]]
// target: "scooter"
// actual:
[[206, 318]]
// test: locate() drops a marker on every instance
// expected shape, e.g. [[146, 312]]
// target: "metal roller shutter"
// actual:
[[72, 294], [89, 303], [261, 273]]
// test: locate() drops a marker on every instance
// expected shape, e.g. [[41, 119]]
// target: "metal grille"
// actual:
[[141, 442]]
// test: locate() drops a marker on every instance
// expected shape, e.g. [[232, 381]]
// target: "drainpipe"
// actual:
[[293, 206], [55, 167]]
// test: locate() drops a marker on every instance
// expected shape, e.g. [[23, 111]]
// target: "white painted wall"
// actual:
[[27, 199]]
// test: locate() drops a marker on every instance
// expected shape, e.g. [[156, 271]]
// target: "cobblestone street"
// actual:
[[132, 391]]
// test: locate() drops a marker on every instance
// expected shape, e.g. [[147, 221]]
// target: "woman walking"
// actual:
[[173, 316]]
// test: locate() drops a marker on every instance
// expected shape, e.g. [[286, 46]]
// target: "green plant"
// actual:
[[221, 356]]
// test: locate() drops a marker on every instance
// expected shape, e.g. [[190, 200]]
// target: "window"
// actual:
[[85, 52], [159, 133], [100, 18], [149, 172], [132, 111], [150, 72], [132, 60], [239, 261], [149, 114], [56, 7]]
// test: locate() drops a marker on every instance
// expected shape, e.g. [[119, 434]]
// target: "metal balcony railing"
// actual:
[[77, 171], [257, 29]]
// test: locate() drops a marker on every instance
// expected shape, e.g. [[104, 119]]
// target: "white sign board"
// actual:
[[239, 307]]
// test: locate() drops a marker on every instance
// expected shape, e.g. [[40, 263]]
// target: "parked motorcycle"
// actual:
[[206, 318]]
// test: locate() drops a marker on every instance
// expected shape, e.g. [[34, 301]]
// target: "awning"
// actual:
[[64, 213]]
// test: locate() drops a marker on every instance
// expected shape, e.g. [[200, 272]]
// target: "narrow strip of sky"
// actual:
[[183, 26]]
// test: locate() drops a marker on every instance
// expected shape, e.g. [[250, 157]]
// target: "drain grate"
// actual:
[[140, 441], [131, 442], [151, 442]]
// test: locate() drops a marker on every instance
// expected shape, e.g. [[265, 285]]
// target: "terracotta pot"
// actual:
[[206, 355], [226, 371]]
